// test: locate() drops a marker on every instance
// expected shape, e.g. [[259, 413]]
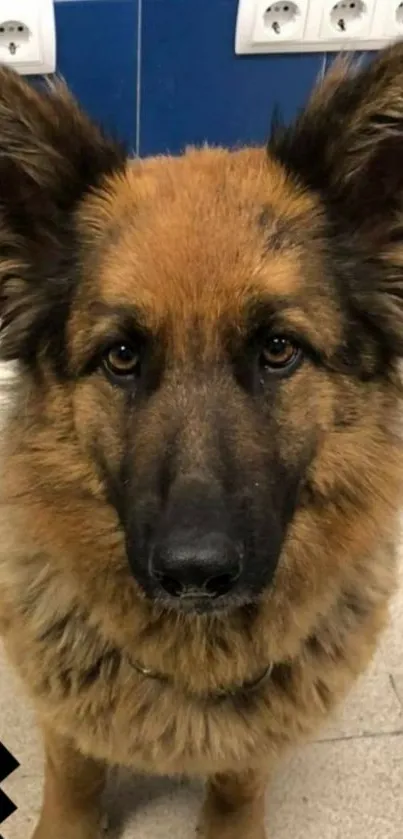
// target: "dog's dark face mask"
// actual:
[[203, 492]]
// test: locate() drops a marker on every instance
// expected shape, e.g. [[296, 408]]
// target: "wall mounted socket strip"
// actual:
[[28, 35], [276, 26]]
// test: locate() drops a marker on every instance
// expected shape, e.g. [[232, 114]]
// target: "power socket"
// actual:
[[28, 35], [279, 20], [279, 26], [394, 18], [346, 19]]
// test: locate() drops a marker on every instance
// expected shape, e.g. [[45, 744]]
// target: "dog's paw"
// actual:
[[80, 830]]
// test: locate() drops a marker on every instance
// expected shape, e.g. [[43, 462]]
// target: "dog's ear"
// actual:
[[51, 156], [347, 145]]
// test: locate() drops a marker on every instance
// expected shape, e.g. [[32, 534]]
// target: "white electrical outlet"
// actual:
[[394, 18], [316, 25], [398, 16], [279, 20], [347, 19], [28, 35]]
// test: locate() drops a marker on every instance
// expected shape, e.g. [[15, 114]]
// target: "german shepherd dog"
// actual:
[[201, 456]]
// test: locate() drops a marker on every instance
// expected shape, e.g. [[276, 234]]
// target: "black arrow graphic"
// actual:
[[8, 764]]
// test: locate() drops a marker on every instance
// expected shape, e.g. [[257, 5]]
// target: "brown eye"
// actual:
[[122, 361], [280, 354]]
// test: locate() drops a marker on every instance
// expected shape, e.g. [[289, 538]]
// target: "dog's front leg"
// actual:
[[235, 807], [72, 792]]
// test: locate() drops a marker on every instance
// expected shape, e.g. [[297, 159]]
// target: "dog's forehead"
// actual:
[[201, 234]]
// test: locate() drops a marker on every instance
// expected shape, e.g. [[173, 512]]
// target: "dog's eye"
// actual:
[[122, 361], [280, 354]]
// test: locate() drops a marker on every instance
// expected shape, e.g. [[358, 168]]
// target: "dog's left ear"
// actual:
[[347, 146], [51, 156]]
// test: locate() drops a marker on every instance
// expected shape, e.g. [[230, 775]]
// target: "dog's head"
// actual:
[[210, 342]]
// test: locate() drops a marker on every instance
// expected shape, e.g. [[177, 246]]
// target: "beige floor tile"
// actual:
[[397, 682], [373, 707], [343, 790]]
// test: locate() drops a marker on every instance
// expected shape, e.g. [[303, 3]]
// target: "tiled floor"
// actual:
[[347, 785]]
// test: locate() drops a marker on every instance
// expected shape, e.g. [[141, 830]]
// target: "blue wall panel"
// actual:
[[162, 74], [97, 54], [193, 86]]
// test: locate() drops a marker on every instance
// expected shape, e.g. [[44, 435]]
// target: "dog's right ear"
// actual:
[[49, 149], [51, 156]]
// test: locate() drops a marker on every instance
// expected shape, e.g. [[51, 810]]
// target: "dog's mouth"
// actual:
[[194, 603]]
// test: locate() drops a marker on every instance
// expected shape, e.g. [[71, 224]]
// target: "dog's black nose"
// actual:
[[206, 567]]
